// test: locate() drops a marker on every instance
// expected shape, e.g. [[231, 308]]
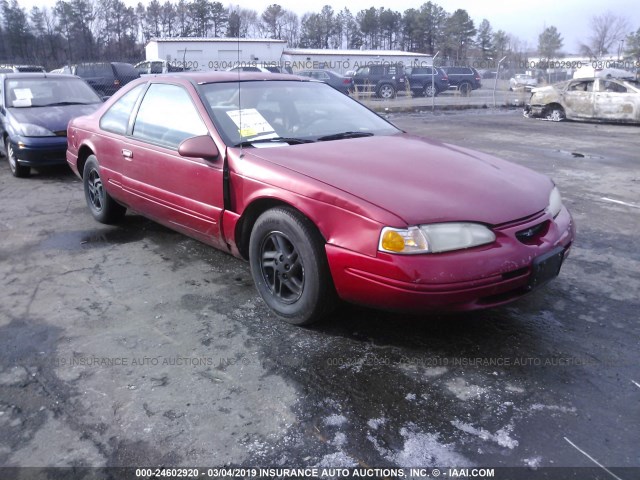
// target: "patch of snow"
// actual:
[[375, 423], [463, 390], [335, 420], [425, 450], [435, 371], [514, 389], [501, 437], [532, 462], [537, 407], [339, 440], [336, 460]]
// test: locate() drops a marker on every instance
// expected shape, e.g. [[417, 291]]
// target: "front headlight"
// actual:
[[32, 130], [555, 202], [434, 238]]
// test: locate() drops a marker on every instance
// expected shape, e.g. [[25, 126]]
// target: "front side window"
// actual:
[[167, 116], [116, 119]]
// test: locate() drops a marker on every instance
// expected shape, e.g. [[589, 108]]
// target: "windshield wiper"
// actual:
[[289, 140], [341, 135], [60, 104]]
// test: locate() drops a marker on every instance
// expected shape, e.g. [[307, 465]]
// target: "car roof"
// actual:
[[213, 77], [38, 75]]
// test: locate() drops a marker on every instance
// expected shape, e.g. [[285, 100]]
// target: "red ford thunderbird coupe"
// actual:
[[325, 199]]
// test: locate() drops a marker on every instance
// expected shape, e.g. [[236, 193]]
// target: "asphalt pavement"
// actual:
[[136, 346]]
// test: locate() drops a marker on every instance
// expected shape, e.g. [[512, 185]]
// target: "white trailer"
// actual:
[[343, 61], [200, 54]]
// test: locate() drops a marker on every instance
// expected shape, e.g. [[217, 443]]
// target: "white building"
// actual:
[[214, 53], [342, 61], [224, 53]]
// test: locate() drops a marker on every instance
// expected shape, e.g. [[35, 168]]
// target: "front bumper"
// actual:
[[534, 110], [40, 151], [471, 279]]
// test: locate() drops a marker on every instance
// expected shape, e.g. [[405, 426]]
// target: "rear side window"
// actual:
[[116, 119], [167, 116], [94, 70]]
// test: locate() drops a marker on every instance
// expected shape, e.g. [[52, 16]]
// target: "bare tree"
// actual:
[[606, 30]]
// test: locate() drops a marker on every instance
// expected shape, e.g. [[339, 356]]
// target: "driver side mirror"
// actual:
[[199, 147]]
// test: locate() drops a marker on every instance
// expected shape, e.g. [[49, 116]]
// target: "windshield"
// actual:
[[294, 111], [48, 91]]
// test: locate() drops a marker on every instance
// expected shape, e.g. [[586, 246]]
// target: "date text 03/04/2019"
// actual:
[[314, 472]]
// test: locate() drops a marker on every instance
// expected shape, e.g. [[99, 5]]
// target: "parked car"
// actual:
[[590, 72], [106, 78], [385, 80], [34, 112], [339, 82], [427, 81], [343, 204], [463, 79], [522, 81], [21, 68], [587, 99]]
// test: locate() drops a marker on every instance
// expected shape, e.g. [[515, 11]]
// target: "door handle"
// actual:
[[127, 153]]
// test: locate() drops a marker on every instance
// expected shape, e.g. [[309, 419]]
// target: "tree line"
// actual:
[[89, 30]]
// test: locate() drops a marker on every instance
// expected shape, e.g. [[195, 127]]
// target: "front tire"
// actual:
[[289, 266], [555, 114], [17, 170], [103, 208]]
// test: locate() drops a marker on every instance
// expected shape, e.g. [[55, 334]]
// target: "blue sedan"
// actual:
[[35, 109]]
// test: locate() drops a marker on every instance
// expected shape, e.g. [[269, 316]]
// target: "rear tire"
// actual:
[[103, 208], [465, 89], [17, 170], [289, 266], [386, 91], [430, 91]]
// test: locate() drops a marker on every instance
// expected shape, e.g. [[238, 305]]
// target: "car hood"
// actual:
[[419, 180], [52, 118]]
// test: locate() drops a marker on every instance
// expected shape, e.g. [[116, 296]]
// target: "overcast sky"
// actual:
[[523, 18]]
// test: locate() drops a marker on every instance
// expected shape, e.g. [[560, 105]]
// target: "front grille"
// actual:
[[531, 234]]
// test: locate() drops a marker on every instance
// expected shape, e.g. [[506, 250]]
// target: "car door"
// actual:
[[114, 125], [578, 99], [182, 193], [614, 102]]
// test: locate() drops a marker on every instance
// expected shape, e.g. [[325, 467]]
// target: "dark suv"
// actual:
[[427, 81], [465, 79], [384, 79], [105, 77]]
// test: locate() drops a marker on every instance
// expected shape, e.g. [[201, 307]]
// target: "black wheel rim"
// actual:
[[96, 192], [281, 267]]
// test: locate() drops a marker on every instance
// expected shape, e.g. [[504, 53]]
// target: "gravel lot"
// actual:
[[136, 346]]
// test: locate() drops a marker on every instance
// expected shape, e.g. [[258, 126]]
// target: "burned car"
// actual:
[[609, 100]]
